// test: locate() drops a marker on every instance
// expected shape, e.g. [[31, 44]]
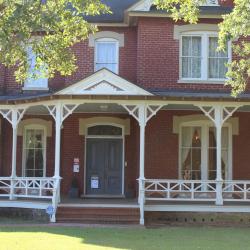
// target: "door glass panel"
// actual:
[[34, 153], [191, 153], [105, 130]]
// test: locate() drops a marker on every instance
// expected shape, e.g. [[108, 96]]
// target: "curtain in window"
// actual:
[[224, 152], [217, 60], [191, 152], [191, 57], [106, 56]]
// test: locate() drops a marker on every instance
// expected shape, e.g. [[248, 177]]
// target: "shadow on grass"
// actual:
[[169, 238]]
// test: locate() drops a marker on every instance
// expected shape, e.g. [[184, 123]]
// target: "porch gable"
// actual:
[[103, 82]]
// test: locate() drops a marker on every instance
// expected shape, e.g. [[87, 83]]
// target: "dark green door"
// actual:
[[104, 159]]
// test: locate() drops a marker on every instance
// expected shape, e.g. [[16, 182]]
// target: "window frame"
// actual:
[[205, 35], [34, 127], [205, 125], [29, 83], [107, 40]]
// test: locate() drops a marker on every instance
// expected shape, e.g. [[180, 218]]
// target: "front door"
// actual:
[[104, 159]]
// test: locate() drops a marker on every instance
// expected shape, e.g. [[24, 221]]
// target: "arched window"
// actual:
[[107, 54]]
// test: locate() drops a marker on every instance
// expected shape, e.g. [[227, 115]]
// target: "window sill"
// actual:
[[222, 82], [34, 89]]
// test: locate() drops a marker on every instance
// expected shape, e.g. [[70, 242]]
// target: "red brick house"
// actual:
[[145, 124]]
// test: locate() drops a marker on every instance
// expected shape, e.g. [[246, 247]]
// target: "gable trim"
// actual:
[[104, 82]]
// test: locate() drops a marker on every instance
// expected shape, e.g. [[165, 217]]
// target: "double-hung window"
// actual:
[[107, 54], [200, 59], [34, 151], [39, 82]]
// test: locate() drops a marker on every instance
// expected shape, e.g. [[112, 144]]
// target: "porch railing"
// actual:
[[194, 190], [29, 188]]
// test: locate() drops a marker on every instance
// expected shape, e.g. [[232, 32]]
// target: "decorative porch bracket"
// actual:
[[13, 116], [218, 114], [59, 112], [142, 113]]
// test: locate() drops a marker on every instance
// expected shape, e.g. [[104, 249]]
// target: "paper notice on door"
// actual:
[[94, 182]]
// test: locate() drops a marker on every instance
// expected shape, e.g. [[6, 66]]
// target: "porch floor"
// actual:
[[197, 206]]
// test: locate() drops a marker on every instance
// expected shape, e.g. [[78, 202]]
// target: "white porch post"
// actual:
[[219, 114], [59, 112], [141, 198], [14, 149], [142, 113], [219, 181], [14, 116], [58, 126]]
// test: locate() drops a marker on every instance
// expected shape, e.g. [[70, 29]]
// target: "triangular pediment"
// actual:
[[103, 82], [145, 5]]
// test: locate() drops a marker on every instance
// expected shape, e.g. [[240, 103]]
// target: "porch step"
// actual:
[[98, 215]]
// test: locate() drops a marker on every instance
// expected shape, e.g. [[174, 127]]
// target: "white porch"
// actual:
[[153, 194]]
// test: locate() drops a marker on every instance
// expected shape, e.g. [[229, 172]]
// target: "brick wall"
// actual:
[[161, 150], [149, 58]]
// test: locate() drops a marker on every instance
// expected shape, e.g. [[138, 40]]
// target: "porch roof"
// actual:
[[157, 95]]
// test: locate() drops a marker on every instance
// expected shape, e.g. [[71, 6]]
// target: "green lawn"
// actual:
[[170, 238]]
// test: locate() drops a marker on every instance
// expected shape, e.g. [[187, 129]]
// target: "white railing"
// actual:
[[236, 191], [182, 190], [5, 186], [195, 190], [26, 187]]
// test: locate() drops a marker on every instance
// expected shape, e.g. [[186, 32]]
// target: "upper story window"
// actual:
[[34, 83], [200, 59], [210, 3], [107, 54]]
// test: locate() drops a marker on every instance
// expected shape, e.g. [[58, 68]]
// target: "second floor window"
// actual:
[[107, 54], [200, 59], [34, 83]]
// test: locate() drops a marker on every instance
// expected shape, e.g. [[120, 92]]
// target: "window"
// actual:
[[200, 59], [34, 150], [198, 152], [107, 54], [34, 83]]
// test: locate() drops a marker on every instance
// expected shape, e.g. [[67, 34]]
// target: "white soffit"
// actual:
[[103, 82]]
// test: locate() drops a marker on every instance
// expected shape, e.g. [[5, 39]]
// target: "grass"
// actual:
[[169, 238]]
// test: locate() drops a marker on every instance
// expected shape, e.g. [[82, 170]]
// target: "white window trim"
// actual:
[[108, 40], [204, 124], [204, 58], [40, 127]]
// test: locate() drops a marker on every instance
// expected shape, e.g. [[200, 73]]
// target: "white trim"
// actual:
[[143, 5], [35, 89], [35, 127], [24, 204], [179, 29], [104, 137], [198, 208], [89, 205], [103, 82], [106, 34], [111, 41]]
